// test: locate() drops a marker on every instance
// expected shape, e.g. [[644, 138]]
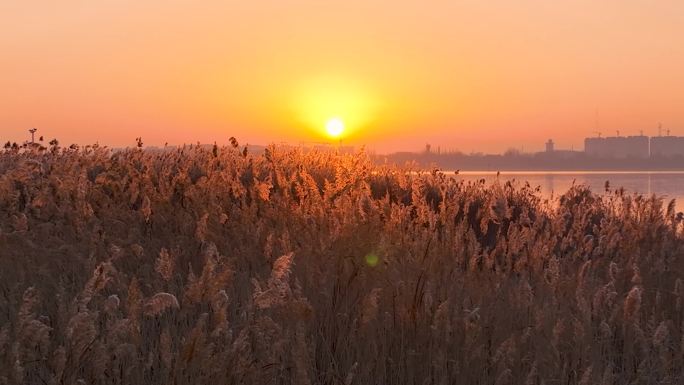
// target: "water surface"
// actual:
[[665, 184]]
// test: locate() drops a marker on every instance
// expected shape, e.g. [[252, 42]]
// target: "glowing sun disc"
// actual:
[[334, 127]]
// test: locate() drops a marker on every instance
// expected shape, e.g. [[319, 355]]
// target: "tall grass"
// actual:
[[198, 266]]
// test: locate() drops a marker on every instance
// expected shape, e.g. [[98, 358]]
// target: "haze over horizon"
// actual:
[[461, 74]]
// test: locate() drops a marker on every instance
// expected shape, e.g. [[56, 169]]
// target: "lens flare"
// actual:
[[372, 260]]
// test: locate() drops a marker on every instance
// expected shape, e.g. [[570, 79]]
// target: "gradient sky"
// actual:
[[471, 75]]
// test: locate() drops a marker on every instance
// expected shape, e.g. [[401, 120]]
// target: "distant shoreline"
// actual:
[[539, 162]]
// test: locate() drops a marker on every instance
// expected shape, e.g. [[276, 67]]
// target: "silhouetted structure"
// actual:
[[631, 153], [549, 146], [618, 147], [667, 146]]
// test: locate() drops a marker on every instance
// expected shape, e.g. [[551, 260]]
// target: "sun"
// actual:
[[334, 127]]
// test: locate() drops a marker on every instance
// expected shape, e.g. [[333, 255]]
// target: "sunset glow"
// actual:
[[470, 75], [341, 192], [325, 99], [334, 127]]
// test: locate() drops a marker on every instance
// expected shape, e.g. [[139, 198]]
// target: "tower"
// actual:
[[549, 146]]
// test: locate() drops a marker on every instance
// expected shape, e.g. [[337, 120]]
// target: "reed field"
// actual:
[[199, 265]]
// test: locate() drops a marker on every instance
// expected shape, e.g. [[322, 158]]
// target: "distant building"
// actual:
[[551, 152], [667, 146], [549, 146], [594, 146], [618, 147]]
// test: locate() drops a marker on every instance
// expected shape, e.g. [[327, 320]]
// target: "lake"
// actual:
[[666, 184]]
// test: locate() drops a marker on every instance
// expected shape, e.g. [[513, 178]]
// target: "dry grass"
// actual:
[[195, 266]]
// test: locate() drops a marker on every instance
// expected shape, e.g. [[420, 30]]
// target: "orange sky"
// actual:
[[469, 75]]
